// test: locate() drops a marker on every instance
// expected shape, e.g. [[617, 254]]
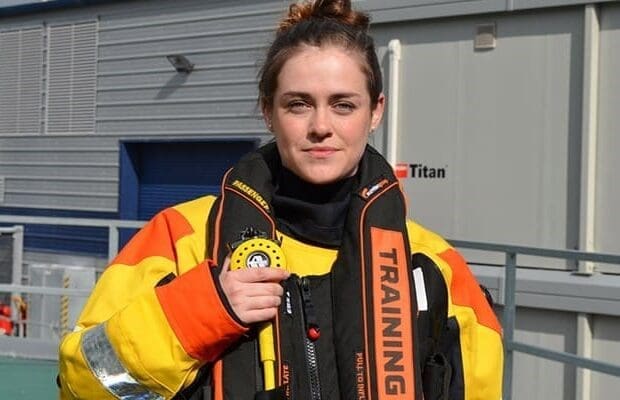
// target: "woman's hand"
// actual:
[[253, 293]]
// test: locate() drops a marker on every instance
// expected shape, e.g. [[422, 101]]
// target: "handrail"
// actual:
[[47, 290], [509, 312], [538, 251], [113, 225]]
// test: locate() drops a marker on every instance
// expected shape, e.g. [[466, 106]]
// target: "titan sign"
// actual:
[[420, 171]]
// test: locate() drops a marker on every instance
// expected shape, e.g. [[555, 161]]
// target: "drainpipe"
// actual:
[[589, 131], [394, 51]]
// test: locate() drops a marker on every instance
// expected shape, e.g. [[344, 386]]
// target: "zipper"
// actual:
[[312, 333]]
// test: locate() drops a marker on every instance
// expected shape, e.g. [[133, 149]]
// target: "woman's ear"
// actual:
[[267, 117], [377, 113]]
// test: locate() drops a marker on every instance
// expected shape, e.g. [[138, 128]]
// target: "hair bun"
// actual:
[[338, 10]]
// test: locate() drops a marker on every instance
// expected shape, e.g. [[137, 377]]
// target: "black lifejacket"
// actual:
[[369, 347]]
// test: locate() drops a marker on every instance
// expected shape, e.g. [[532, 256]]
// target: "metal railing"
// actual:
[[510, 269], [113, 226], [47, 349], [510, 309], [17, 233]]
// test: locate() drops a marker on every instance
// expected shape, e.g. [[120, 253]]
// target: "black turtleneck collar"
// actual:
[[311, 213]]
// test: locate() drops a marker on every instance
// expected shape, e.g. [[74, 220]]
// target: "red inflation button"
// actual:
[[313, 333]]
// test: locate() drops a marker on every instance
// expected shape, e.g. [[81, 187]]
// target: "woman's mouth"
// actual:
[[321, 152]]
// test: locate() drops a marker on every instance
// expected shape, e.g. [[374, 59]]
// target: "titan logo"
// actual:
[[420, 171]]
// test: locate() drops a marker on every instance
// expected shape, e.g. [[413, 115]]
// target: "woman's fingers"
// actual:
[[260, 274], [257, 289], [253, 293]]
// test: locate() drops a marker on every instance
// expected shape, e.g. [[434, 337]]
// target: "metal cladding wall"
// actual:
[[608, 149], [504, 124], [508, 127], [493, 141], [504, 129], [138, 94]]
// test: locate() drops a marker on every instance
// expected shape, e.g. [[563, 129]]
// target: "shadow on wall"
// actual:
[[171, 86]]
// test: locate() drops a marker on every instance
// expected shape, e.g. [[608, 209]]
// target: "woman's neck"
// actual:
[[309, 212]]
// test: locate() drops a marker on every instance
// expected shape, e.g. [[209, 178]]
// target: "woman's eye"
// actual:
[[344, 107], [297, 106]]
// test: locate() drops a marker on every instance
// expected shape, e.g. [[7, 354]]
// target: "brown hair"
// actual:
[[316, 23]]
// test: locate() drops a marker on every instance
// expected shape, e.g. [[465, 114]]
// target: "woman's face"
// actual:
[[321, 114]]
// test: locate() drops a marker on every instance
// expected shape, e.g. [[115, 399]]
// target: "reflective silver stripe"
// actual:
[[106, 366], [420, 289]]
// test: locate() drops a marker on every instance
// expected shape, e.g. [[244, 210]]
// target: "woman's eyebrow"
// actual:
[[335, 96], [296, 94], [344, 95]]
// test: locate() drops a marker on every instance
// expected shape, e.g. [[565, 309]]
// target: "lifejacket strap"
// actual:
[[436, 378], [278, 393]]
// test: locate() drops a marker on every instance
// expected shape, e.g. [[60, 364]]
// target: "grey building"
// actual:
[[502, 121]]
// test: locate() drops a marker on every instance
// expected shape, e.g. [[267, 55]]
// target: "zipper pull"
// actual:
[[313, 331]]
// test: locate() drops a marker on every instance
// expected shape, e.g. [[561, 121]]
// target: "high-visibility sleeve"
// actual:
[[479, 334], [138, 339]]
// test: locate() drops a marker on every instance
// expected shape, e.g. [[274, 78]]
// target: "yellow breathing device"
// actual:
[[257, 251]]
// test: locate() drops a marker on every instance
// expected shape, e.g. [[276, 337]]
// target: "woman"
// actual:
[[348, 324]]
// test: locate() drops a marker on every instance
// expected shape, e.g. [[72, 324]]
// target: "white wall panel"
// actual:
[[607, 213], [504, 123], [535, 378], [607, 349]]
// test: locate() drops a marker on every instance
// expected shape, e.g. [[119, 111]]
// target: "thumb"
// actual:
[[226, 266]]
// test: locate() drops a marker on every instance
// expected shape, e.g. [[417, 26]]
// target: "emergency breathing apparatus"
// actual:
[[256, 250]]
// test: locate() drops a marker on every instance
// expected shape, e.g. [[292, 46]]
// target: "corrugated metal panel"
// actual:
[[607, 215], [383, 11], [20, 81], [504, 124], [72, 63], [139, 91], [537, 378], [67, 172], [606, 347]]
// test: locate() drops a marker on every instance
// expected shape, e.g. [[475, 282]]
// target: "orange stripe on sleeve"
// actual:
[[156, 238], [466, 292], [196, 314]]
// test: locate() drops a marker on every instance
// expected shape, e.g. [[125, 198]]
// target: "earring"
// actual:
[[270, 126]]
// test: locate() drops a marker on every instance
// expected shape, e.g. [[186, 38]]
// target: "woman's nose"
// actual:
[[320, 126]]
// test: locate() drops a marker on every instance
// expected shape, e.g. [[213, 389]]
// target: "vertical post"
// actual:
[[394, 49], [510, 309], [589, 133], [112, 241], [18, 262], [583, 385]]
